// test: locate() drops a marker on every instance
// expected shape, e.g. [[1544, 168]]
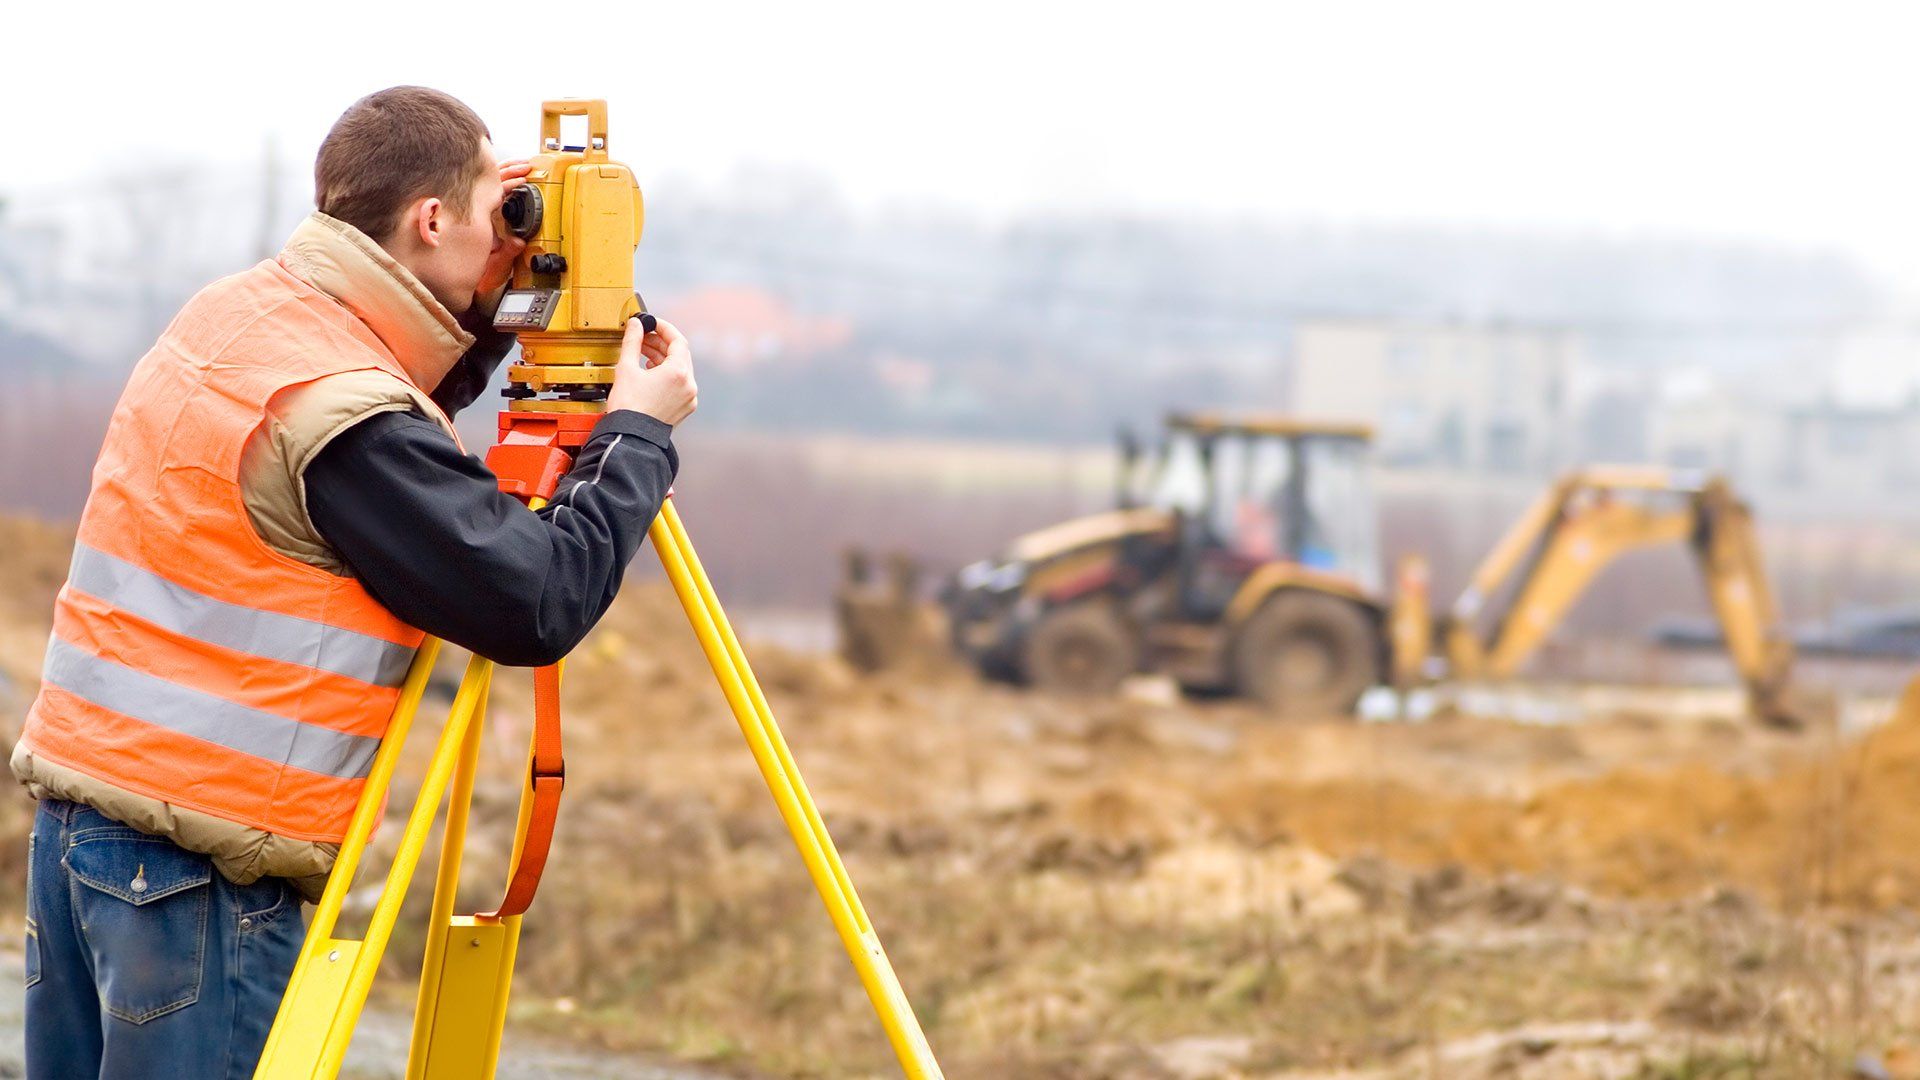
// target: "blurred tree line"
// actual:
[[1046, 326], [1057, 326]]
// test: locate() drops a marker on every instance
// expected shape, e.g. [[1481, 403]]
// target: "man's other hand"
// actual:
[[506, 246], [655, 374]]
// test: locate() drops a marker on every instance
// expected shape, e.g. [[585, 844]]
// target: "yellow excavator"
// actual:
[[1243, 558]]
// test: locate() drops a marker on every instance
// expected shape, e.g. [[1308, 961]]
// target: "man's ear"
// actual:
[[427, 221]]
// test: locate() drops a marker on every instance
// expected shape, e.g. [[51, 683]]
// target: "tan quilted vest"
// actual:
[[349, 268]]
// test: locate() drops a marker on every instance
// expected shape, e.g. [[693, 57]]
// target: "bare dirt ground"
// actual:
[[379, 1050], [1154, 888]]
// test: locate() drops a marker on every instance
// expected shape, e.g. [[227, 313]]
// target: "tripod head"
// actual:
[[581, 214]]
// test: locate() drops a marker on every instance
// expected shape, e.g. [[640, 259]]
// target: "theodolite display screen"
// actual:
[[526, 309]]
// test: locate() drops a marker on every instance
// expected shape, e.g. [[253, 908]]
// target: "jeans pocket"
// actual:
[[33, 924], [264, 903], [144, 913]]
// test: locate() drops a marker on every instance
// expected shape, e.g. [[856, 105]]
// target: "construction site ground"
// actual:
[[379, 1050], [1149, 887]]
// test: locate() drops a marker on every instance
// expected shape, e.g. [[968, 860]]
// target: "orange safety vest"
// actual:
[[190, 662]]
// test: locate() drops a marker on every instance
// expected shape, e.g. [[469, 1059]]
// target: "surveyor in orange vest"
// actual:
[[281, 509]]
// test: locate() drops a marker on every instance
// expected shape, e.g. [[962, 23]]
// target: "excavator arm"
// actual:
[[1581, 525], [1742, 597]]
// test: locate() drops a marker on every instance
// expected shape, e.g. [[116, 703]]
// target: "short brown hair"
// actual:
[[395, 146]]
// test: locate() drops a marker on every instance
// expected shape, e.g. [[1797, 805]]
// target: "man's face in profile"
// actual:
[[468, 244], [452, 268]]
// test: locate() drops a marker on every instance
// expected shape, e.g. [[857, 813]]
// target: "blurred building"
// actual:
[[47, 293], [1825, 451], [1484, 398], [1694, 420], [1839, 450], [1838, 438], [741, 327]]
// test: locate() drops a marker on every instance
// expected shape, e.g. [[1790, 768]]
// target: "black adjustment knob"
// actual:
[[548, 263]]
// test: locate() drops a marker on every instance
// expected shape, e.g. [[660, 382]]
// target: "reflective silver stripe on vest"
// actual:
[[249, 630], [204, 716]]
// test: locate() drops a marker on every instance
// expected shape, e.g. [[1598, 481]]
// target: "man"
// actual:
[[279, 514]]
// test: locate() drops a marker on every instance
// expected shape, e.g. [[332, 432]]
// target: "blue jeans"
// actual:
[[142, 961]]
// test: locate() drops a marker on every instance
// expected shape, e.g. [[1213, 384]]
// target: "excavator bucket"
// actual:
[[883, 624], [1797, 707], [1907, 711]]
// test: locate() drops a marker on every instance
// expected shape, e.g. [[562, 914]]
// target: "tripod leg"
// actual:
[[453, 840], [297, 1029], [796, 806], [461, 1013], [333, 975], [763, 712]]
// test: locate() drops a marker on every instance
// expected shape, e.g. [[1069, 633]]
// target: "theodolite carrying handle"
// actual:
[[594, 109]]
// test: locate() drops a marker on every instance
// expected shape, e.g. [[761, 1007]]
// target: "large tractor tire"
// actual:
[[1079, 649], [1307, 654]]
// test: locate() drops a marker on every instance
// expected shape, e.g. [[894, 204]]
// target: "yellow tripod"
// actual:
[[572, 296], [469, 966]]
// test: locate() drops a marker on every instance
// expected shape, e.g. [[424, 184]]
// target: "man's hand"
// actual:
[[506, 246], [655, 374]]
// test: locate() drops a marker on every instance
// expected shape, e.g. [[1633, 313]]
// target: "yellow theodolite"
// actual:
[[581, 215]]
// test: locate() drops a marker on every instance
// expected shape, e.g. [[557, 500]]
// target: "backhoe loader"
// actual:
[[1243, 558]]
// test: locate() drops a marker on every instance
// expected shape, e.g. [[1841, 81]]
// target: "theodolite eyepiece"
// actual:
[[523, 211]]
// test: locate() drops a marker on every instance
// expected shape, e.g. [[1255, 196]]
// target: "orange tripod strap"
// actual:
[[534, 450], [549, 776]]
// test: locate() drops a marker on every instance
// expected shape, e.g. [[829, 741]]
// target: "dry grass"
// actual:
[[1130, 889]]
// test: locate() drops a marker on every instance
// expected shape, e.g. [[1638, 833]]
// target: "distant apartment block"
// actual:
[[1475, 397], [739, 327], [1825, 448], [1851, 450], [1843, 427]]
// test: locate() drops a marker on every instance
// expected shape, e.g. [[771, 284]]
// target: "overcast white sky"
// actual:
[[1784, 123]]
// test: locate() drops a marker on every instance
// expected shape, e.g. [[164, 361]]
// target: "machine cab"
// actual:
[[1253, 490]]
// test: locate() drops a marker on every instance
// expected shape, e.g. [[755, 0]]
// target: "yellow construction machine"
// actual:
[[1243, 558]]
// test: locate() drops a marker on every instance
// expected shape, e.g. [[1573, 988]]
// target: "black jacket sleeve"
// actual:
[[427, 530], [467, 380]]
